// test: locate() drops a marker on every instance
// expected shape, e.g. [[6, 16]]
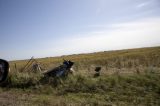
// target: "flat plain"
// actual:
[[127, 78]]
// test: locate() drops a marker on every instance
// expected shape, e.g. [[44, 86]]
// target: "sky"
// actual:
[[48, 28]]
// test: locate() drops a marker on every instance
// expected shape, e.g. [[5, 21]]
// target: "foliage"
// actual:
[[114, 87]]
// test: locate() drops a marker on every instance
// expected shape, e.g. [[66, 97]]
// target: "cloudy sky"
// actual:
[[44, 28]]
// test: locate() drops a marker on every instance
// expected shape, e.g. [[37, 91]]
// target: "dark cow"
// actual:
[[62, 70]]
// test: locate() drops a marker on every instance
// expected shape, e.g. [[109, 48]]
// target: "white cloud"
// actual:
[[141, 33], [143, 4]]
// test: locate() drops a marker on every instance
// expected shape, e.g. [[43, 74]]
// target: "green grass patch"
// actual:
[[135, 89]]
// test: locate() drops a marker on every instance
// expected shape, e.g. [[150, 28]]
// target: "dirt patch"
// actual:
[[9, 98]]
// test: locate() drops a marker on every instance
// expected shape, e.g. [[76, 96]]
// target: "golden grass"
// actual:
[[133, 59]]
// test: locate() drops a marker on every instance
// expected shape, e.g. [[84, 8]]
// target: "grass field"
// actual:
[[128, 78]]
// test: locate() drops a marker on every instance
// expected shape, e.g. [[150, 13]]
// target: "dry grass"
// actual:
[[128, 78], [116, 90]]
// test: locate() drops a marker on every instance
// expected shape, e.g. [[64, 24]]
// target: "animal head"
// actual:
[[68, 63]]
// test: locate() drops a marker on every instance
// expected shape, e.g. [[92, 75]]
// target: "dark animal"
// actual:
[[97, 70], [61, 71]]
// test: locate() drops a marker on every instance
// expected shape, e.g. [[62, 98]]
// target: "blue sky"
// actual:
[[44, 28]]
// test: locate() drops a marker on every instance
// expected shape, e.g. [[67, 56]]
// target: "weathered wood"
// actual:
[[27, 64]]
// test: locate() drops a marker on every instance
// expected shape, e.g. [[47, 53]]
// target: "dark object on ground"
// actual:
[[62, 70], [97, 70], [4, 70]]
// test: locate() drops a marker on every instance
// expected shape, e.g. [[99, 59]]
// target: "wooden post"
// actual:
[[15, 65]]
